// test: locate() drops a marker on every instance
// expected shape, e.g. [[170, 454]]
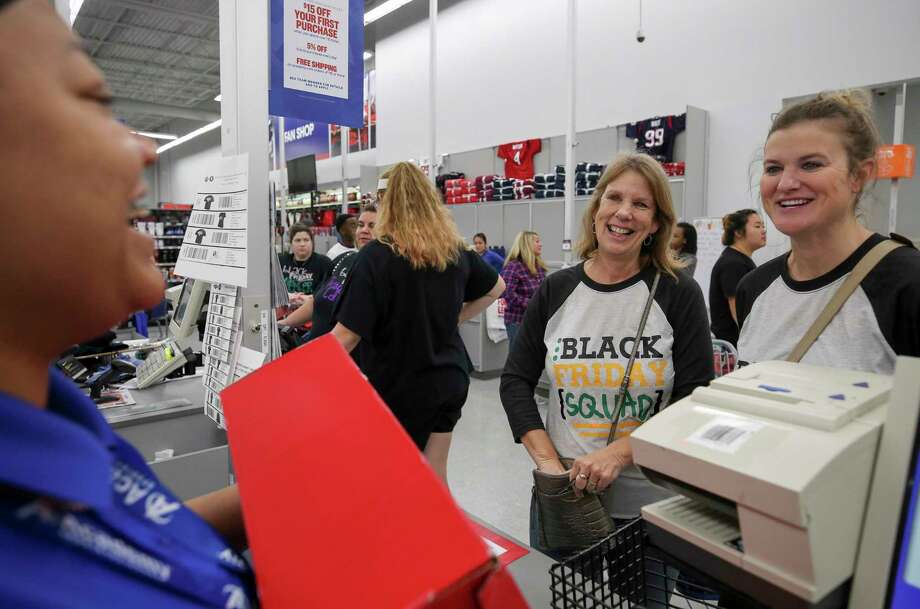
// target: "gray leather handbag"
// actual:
[[569, 523]]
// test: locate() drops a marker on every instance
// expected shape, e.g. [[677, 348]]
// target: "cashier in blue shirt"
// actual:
[[83, 521]]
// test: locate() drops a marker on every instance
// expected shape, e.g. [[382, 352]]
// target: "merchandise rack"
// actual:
[[625, 571]]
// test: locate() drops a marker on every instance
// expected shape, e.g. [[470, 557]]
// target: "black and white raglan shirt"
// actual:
[[582, 332], [879, 321]]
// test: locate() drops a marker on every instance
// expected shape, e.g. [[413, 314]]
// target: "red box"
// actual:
[[341, 509]]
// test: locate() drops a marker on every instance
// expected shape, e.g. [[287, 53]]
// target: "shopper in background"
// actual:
[[580, 329], [405, 297], [320, 307], [523, 273], [684, 245], [72, 530], [491, 257], [345, 226], [819, 158], [743, 233], [303, 269]]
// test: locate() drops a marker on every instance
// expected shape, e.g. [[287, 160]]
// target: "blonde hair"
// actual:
[[414, 223], [523, 249], [659, 251]]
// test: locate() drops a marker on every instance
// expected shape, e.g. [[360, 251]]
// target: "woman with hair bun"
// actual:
[[743, 233], [818, 159]]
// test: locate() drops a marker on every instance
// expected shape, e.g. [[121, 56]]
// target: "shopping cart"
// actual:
[[724, 357], [624, 571]]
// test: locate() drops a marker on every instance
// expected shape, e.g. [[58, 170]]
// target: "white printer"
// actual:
[[773, 465]]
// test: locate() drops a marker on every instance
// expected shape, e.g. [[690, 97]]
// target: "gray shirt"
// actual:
[[581, 333]]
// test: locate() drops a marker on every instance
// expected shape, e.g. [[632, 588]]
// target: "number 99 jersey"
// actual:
[[655, 136]]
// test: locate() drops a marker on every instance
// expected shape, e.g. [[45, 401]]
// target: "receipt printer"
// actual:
[[772, 465]]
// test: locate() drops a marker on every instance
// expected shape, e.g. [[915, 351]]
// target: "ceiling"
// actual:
[[161, 57]]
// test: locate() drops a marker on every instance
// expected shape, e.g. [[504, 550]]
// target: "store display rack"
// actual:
[[166, 225]]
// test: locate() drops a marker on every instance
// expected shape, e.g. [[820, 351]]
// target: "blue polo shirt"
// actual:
[[493, 259], [84, 523]]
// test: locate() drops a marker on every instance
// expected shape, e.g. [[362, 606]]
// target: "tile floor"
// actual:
[[489, 475]]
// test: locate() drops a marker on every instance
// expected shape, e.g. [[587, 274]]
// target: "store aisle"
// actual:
[[490, 476]]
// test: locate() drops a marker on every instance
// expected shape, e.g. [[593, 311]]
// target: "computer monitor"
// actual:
[[184, 320], [301, 174], [887, 574]]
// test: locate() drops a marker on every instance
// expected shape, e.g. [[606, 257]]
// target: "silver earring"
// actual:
[[648, 240]]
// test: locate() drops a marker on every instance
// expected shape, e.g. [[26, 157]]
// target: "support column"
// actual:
[[570, 142], [899, 107], [244, 129], [433, 90]]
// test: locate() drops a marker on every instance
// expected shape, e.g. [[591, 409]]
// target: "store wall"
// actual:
[[182, 168], [502, 73]]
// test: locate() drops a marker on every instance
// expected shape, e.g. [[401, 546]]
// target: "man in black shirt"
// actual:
[[303, 269]]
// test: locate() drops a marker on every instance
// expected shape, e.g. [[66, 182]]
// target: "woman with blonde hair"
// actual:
[[582, 328], [523, 273], [402, 304]]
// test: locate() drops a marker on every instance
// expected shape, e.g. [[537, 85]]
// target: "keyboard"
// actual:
[[162, 361]]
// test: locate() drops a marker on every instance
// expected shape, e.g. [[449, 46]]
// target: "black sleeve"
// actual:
[[731, 274], [524, 367], [323, 269], [482, 277], [692, 351], [363, 304], [631, 130], [744, 299]]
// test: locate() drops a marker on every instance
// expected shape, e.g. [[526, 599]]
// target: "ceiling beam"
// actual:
[[162, 68], [145, 28], [164, 10], [120, 104], [153, 50]]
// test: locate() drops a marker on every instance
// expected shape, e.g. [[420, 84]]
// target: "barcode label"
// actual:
[[723, 434], [196, 253], [206, 219], [726, 434], [220, 238], [224, 202]]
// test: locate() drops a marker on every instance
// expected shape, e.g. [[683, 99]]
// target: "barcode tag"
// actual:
[[203, 219], [196, 253], [725, 434]]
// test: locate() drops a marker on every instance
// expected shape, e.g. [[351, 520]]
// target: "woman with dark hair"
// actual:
[[84, 521], [492, 258], [683, 243], [743, 233], [303, 269], [403, 302], [818, 159]]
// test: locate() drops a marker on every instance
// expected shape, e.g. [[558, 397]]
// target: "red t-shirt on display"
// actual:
[[519, 158]]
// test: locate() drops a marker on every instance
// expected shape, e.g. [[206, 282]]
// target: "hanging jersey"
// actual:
[[655, 136], [519, 158]]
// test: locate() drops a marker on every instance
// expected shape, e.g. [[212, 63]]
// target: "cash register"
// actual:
[[174, 352], [793, 484]]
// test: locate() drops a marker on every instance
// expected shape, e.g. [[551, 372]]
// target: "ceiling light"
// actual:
[[156, 136], [217, 98], [189, 136], [75, 6], [384, 9], [367, 55]]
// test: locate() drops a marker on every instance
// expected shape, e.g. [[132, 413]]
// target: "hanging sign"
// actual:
[[896, 161], [317, 63], [305, 137]]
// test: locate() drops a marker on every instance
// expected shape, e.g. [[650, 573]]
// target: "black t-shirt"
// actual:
[[411, 350], [879, 321], [327, 295], [727, 272], [655, 136], [304, 276]]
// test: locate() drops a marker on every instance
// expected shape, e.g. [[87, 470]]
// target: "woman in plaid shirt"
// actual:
[[523, 273]]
